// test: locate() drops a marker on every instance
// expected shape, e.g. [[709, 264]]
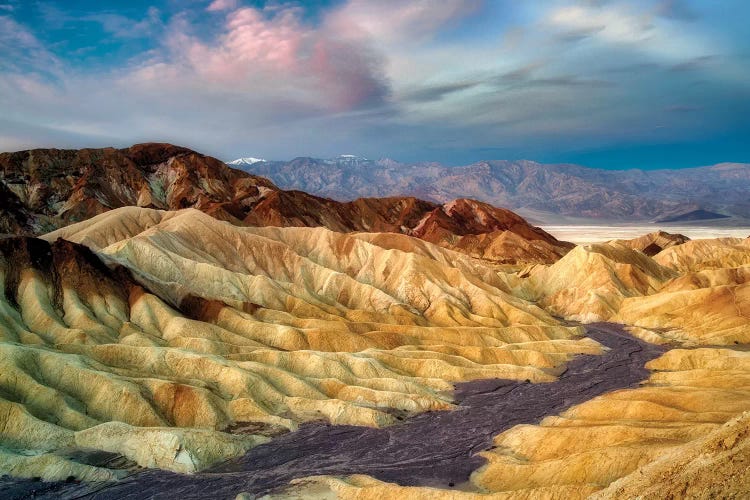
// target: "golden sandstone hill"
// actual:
[[199, 324], [173, 340], [684, 432]]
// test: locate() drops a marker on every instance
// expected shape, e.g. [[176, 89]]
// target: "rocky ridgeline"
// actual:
[[46, 189]]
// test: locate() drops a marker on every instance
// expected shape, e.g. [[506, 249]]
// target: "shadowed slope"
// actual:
[[653, 243]]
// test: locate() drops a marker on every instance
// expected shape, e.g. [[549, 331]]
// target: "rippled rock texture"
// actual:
[[432, 449], [179, 341], [252, 356]]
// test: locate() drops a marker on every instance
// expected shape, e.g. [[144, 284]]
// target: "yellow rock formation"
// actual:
[[695, 293], [180, 450], [591, 281], [684, 432], [361, 487], [188, 326], [653, 243], [698, 255], [226, 325]]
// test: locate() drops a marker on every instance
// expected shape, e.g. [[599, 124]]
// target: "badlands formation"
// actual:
[[144, 348]]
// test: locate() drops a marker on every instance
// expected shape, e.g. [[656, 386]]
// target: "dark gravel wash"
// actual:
[[431, 449]]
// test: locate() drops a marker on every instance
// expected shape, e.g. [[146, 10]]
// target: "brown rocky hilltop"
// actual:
[[51, 188], [46, 189]]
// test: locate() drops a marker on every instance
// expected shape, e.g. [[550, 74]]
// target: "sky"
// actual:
[[604, 83]]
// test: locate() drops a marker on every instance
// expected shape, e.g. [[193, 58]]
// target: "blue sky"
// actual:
[[605, 83]]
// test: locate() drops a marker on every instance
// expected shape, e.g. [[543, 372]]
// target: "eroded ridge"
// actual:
[[436, 449]]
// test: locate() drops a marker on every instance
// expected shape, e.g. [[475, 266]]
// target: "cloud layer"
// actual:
[[454, 80]]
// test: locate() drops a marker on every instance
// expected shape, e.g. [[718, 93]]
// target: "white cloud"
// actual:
[[624, 24], [611, 24]]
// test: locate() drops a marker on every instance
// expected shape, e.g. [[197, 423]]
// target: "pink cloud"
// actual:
[[220, 5], [254, 39], [277, 55], [335, 66]]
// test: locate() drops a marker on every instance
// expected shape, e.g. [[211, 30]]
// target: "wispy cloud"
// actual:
[[221, 5], [610, 23], [22, 52], [394, 21], [125, 27], [438, 92]]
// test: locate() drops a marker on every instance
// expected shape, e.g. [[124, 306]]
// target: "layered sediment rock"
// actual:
[[173, 340], [653, 243], [182, 328]]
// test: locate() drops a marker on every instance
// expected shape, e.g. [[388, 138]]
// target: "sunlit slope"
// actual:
[[695, 292], [699, 255], [307, 278], [361, 487], [690, 395], [715, 466], [590, 283], [683, 432], [708, 303], [195, 325], [175, 328]]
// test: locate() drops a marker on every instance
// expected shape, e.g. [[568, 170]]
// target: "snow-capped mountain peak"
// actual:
[[349, 161], [246, 161]]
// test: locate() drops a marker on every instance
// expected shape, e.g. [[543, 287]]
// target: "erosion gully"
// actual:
[[437, 449]]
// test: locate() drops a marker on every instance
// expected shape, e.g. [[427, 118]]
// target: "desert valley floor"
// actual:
[[174, 328], [582, 234]]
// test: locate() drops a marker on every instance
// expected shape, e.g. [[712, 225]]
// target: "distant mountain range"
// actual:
[[543, 192], [46, 189]]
